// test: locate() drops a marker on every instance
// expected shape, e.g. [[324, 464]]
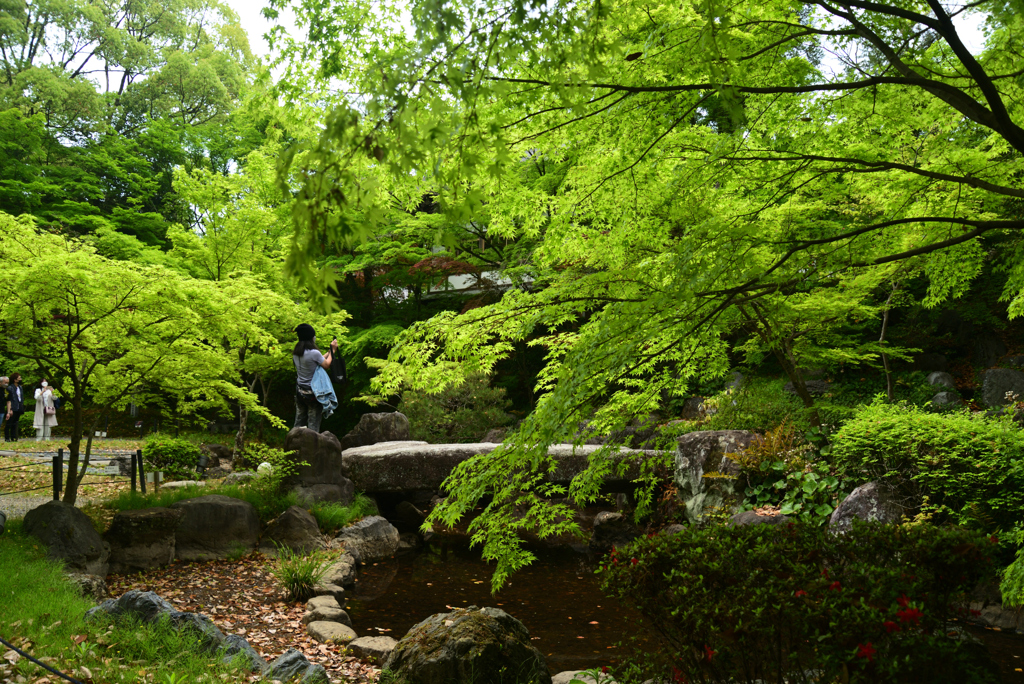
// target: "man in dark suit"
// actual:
[[15, 407]]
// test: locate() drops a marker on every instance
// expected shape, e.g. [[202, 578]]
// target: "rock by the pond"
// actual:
[[342, 572], [90, 586], [236, 646], [751, 518], [611, 530], [320, 452], [467, 645], [997, 383], [335, 493], [375, 648], [146, 606], [294, 529], [215, 526], [942, 379], [330, 632], [872, 502], [293, 667], [325, 608], [945, 400], [369, 539], [374, 428], [704, 476], [407, 517], [142, 539], [580, 677], [408, 542], [69, 536]]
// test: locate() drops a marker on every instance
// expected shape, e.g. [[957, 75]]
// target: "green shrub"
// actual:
[[175, 457], [300, 574], [759, 405], [332, 516], [969, 467], [458, 414], [1012, 584], [796, 603]]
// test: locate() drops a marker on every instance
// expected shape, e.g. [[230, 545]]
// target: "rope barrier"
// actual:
[[21, 491], [40, 664]]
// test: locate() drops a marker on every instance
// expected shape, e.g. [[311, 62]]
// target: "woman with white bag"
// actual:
[[46, 412]]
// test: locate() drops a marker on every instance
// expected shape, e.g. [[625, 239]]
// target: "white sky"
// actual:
[[254, 23]]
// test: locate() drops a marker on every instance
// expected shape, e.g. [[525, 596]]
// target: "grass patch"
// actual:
[[298, 573], [331, 516], [42, 613]]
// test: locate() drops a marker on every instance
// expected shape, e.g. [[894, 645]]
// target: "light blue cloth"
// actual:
[[324, 391]]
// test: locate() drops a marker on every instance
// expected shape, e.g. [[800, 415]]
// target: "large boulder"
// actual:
[[343, 572], [292, 666], [236, 648], [215, 526], [468, 645], [945, 400], [321, 454], [421, 467], [873, 502], [69, 536], [331, 493], [369, 539], [997, 383], [747, 518], [142, 539], [705, 478], [146, 606], [374, 428], [294, 529]]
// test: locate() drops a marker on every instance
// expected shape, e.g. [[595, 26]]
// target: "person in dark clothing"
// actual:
[[306, 357], [15, 407]]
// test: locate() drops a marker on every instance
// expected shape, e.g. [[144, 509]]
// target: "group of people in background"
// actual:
[[12, 401]]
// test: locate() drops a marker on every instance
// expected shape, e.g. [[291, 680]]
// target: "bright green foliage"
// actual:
[[116, 332], [683, 175], [331, 516], [809, 495], [970, 468], [758, 405], [799, 604], [176, 458], [1012, 585], [300, 573], [457, 414]]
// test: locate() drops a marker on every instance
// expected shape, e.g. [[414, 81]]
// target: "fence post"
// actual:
[[58, 473], [142, 472], [133, 472]]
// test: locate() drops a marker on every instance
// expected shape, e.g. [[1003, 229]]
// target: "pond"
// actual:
[[557, 598]]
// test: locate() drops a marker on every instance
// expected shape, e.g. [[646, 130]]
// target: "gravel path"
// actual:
[[17, 505]]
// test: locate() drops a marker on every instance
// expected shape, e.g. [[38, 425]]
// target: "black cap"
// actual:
[[305, 332]]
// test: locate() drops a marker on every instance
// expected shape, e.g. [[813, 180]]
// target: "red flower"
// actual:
[[890, 626], [633, 561], [678, 676], [604, 669], [866, 651], [708, 653], [835, 586], [909, 615], [799, 592], [903, 601], [824, 572]]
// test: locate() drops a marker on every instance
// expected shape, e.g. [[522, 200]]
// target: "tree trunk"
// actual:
[[71, 482], [784, 356], [243, 417], [881, 340]]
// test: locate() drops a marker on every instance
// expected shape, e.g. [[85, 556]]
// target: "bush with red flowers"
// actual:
[[796, 603]]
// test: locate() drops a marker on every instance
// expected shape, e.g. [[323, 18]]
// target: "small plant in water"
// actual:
[[299, 574]]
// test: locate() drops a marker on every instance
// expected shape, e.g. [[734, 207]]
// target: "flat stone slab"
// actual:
[[330, 632], [417, 466], [376, 648]]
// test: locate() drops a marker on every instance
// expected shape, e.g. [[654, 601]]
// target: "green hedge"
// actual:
[[969, 467], [175, 457]]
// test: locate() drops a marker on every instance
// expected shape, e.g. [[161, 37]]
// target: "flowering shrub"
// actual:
[[798, 604]]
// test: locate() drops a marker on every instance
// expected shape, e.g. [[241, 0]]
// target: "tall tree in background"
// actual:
[[682, 168]]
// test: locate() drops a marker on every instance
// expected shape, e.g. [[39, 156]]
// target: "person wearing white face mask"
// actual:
[[46, 412]]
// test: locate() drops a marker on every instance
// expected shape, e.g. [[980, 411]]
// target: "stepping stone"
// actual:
[[375, 648], [331, 632]]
